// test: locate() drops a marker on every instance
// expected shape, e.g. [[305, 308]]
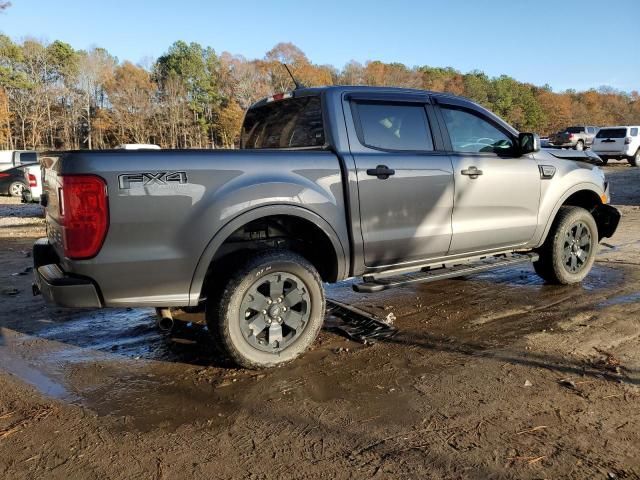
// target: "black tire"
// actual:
[[569, 251], [634, 161], [293, 316], [579, 146], [15, 189], [605, 160]]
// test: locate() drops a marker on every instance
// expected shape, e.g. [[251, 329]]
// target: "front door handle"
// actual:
[[473, 172], [381, 171]]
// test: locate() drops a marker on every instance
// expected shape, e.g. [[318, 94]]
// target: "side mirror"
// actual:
[[529, 143]]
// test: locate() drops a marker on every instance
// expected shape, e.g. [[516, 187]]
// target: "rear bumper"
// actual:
[[59, 287]]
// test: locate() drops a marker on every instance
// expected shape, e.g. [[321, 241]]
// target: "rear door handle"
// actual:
[[381, 171], [473, 172]]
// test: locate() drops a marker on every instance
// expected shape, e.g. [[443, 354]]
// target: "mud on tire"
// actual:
[[569, 251], [269, 311]]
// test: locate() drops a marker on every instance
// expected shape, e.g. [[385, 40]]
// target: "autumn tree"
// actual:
[[131, 94], [53, 96]]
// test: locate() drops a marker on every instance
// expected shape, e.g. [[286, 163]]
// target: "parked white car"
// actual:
[[33, 176], [15, 158], [621, 143]]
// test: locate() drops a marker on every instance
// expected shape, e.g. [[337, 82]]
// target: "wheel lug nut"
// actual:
[[264, 312], [284, 309], [279, 299], [269, 301], [279, 319]]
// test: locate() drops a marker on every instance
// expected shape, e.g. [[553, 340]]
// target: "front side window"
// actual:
[[394, 126], [471, 133]]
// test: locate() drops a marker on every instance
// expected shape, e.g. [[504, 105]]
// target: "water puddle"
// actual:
[[621, 300]]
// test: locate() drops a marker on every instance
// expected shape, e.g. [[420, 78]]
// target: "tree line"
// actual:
[[53, 96]]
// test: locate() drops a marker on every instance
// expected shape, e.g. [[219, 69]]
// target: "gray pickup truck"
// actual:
[[577, 137], [391, 185]]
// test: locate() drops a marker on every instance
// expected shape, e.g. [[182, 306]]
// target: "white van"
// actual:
[[621, 143], [15, 158]]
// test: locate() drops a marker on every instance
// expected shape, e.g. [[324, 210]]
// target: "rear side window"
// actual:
[[575, 130], [591, 130], [394, 126], [28, 157], [471, 133], [292, 123], [612, 133], [634, 132]]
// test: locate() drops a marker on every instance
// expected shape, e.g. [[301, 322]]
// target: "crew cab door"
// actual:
[[497, 192], [405, 186]]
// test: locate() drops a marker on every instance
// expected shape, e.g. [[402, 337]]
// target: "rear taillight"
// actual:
[[84, 215], [571, 135], [33, 181], [627, 141], [4, 175]]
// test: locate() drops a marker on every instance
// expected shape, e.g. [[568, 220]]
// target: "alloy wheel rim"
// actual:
[[275, 311], [16, 189], [576, 247]]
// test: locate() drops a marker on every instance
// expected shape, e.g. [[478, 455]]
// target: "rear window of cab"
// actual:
[[290, 123]]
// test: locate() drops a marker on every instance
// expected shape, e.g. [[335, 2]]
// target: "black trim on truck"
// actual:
[[58, 287], [607, 218]]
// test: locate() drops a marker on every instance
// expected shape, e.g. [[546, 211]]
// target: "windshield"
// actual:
[[612, 133], [292, 123]]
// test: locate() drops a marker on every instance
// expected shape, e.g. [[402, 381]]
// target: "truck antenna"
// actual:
[[296, 82]]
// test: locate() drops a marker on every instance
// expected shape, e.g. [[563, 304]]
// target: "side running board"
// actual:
[[373, 283]]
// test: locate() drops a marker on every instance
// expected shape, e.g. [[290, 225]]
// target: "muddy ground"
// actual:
[[491, 376]]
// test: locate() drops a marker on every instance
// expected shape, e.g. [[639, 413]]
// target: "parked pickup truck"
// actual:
[[578, 138], [395, 186]]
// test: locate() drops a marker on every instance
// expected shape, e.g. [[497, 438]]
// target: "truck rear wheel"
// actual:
[[579, 146], [569, 251], [269, 312]]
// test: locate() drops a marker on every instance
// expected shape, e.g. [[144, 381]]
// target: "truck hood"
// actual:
[[579, 156]]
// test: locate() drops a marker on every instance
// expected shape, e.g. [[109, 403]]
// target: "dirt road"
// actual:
[[491, 376]]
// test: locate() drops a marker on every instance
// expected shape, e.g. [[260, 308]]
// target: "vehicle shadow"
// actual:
[[563, 365]]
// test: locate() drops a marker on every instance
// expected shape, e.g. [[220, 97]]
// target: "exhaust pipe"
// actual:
[[164, 320]]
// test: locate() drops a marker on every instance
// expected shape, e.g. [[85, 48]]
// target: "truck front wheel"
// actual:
[[269, 312], [569, 251]]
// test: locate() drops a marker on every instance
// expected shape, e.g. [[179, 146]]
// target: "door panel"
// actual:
[[496, 192], [498, 208], [407, 216]]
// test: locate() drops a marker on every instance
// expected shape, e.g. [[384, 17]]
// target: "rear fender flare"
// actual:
[[291, 210]]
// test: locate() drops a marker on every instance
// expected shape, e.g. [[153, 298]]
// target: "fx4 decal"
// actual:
[[130, 180]]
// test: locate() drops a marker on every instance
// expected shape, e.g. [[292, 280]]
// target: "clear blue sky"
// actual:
[[534, 41]]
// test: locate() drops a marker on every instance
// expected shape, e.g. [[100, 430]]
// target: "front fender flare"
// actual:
[[576, 188], [255, 214]]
